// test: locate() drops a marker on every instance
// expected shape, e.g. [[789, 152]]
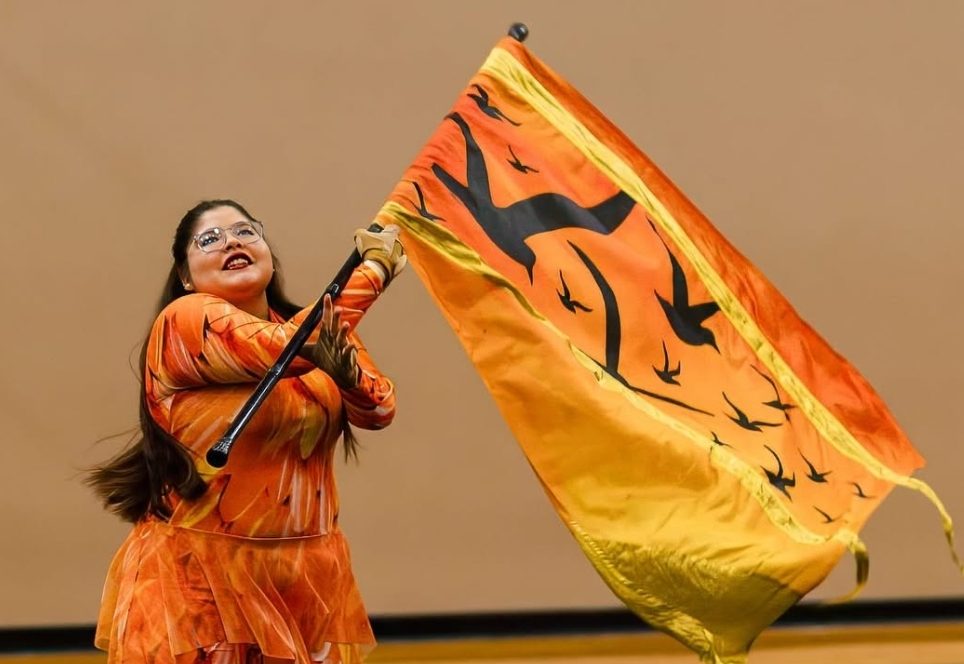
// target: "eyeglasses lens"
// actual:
[[213, 239]]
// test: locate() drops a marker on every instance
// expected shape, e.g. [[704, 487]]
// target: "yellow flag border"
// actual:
[[502, 66]]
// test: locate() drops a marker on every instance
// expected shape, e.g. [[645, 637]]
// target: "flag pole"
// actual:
[[519, 31], [217, 455]]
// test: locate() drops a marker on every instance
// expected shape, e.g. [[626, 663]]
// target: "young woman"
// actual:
[[244, 563]]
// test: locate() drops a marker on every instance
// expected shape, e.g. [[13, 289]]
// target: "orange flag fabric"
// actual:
[[711, 454]]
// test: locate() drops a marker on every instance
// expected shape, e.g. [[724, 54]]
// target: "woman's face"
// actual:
[[230, 269]]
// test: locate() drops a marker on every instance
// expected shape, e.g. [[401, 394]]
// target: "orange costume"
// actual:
[[259, 559]]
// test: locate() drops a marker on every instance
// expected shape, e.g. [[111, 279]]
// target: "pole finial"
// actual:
[[519, 31]]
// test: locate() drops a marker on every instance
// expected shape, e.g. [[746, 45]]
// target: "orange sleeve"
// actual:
[[362, 289], [371, 404], [201, 339]]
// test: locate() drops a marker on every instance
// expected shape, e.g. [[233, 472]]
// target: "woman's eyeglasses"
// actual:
[[214, 239]]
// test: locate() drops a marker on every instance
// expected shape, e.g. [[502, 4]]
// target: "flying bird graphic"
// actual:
[[812, 473], [482, 101], [742, 420], [518, 165], [686, 319], [716, 439], [826, 517], [666, 374], [777, 479], [566, 297], [777, 403], [509, 227]]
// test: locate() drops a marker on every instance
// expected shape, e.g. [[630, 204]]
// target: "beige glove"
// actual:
[[334, 353], [384, 248]]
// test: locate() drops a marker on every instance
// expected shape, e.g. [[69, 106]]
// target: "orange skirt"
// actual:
[[173, 591]]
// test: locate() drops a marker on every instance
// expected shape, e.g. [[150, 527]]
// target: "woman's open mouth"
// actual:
[[237, 262]]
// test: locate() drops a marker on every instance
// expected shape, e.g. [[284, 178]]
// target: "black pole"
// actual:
[[217, 456], [519, 31]]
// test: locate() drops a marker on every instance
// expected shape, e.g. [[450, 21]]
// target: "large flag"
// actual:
[[711, 454]]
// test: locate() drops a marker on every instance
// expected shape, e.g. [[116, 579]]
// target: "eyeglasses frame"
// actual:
[[258, 227]]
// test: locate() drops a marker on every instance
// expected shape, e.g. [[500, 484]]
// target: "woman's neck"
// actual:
[[256, 306]]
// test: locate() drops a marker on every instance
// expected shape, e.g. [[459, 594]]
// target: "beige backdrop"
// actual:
[[824, 138]]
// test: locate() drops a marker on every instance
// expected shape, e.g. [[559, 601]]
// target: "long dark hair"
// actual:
[[134, 483]]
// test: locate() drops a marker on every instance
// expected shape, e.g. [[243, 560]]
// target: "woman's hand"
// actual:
[[334, 353], [384, 248]]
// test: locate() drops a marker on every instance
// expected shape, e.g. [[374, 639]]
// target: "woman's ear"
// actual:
[[185, 278]]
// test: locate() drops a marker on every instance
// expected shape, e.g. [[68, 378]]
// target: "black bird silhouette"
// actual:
[[826, 517], [812, 474], [686, 319], [777, 402], [744, 421], [716, 439], [777, 479], [614, 335], [509, 227], [420, 208], [566, 297], [666, 374], [518, 165], [482, 101], [860, 492]]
